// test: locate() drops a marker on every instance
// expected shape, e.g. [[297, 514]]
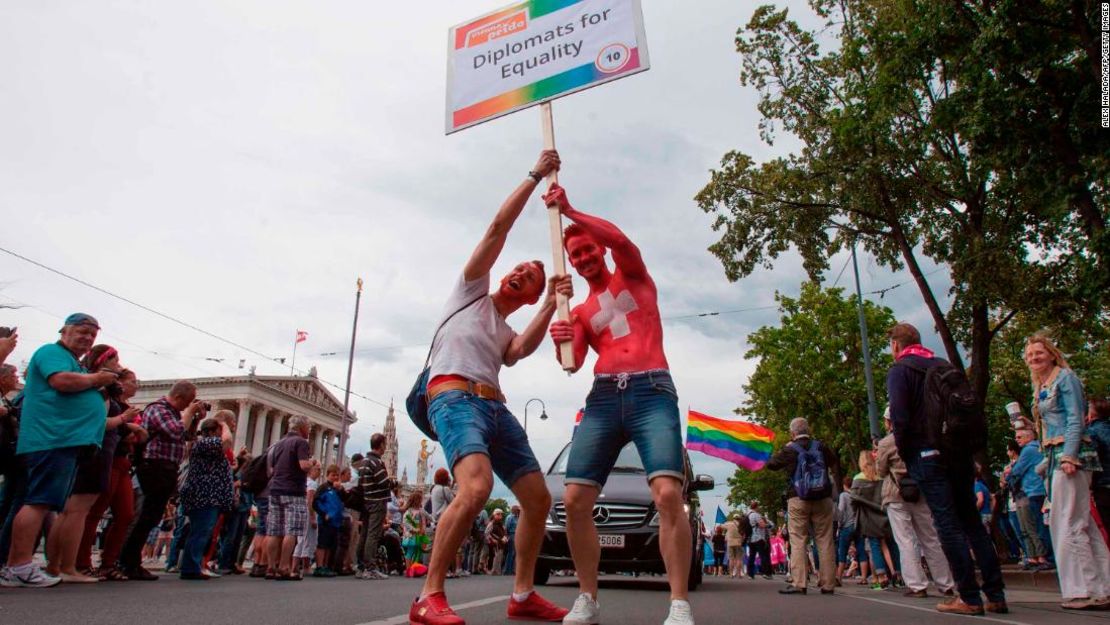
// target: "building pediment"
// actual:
[[307, 389]]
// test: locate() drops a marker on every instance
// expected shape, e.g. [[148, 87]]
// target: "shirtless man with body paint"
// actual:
[[633, 399]]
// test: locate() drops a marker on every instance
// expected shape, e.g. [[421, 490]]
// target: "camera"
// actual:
[[207, 407]]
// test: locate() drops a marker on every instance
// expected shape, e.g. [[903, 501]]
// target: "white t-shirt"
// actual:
[[473, 343]]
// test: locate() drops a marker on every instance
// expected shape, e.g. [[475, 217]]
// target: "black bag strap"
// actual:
[[449, 317]]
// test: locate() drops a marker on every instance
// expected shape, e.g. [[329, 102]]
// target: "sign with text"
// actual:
[[537, 51]]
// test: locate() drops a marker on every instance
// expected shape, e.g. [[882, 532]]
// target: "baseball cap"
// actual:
[[82, 319]]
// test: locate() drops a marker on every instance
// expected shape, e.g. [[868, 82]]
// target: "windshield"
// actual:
[[628, 461]]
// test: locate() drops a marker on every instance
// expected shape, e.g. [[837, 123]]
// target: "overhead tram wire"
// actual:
[[175, 320], [690, 316]]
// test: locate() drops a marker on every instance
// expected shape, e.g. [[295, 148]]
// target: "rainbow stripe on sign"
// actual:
[[546, 88], [739, 442]]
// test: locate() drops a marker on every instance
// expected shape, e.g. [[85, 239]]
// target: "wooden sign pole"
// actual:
[[555, 221]]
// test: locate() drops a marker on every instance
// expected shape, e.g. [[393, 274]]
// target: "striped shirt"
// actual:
[[373, 479]]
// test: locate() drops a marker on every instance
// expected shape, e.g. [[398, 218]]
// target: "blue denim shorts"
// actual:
[[263, 505], [50, 475], [467, 424], [640, 407]]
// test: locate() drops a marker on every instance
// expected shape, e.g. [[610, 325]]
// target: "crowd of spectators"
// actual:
[[114, 488]]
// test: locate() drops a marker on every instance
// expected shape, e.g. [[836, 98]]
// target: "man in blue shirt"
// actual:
[[1024, 474], [63, 415]]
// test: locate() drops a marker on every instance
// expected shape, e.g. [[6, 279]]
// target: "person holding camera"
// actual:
[[120, 497], [63, 416], [911, 522], [93, 475], [167, 422], [9, 473], [207, 490], [9, 338]]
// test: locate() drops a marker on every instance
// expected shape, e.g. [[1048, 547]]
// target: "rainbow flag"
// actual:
[[739, 442]]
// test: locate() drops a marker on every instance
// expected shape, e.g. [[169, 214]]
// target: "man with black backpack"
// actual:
[[938, 428], [809, 493]]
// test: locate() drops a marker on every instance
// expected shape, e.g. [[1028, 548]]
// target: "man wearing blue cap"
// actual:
[[63, 416]]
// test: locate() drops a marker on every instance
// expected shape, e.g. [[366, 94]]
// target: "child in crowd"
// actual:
[[415, 522], [778, 552], [164, 533], [329, 508]]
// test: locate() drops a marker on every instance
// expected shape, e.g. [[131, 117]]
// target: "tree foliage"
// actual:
[[496, 503], [962, 131], [811, 365]]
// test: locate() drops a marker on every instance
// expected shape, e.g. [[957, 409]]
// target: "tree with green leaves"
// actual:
[[811, 365], [962, 132], [497, 503]]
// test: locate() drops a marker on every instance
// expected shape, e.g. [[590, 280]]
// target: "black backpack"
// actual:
[[256, 475], [954, 420]]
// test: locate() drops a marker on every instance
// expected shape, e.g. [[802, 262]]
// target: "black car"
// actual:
[[627, 522]]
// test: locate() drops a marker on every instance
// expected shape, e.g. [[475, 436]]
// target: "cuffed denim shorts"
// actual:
[[638, 407], [467, 424], [50, 475]]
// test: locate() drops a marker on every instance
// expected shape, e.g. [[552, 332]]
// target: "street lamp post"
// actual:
[[543, 411]]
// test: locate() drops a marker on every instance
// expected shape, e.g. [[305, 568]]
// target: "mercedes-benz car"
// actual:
[[626, 518]]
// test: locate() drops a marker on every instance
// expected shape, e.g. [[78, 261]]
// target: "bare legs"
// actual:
[[535, 502], [474, 475], [65, 537], [279, 553], [674, 534], [25, 528], [582, 535]]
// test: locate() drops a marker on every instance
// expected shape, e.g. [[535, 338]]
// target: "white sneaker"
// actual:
[[586, 611], [680, 613], [36, 578]]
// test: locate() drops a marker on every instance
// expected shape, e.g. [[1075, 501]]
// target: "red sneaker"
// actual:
[[433, 610], [535, 608]]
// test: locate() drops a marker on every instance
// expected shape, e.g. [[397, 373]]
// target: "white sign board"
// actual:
[[536, 51]]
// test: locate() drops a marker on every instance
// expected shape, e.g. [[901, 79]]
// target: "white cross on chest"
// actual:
[[613, 312]]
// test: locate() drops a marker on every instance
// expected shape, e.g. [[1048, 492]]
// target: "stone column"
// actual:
[[275, 431], [241, 424], [327, 448], [258, 445]]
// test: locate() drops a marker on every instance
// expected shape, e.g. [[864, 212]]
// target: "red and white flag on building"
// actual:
[[302, 336]]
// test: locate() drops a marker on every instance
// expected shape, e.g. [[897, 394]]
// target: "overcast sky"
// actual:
[[239, 164]]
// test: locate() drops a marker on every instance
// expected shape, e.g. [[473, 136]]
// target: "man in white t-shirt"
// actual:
[[478, 434]]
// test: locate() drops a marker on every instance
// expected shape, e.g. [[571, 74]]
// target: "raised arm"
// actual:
[[489, 248], [573, 331], [625, 253], [526, 342]]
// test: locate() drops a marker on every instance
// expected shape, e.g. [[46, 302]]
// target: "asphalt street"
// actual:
[[347, 601]]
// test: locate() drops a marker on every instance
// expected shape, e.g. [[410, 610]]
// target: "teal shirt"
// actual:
[[51, 419]]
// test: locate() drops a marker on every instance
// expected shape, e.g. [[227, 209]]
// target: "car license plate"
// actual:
[[611, 541]]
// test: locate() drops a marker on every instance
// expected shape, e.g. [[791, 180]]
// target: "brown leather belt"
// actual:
[[485, 391]]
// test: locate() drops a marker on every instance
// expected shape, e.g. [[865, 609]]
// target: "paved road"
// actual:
[[481, 600]]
